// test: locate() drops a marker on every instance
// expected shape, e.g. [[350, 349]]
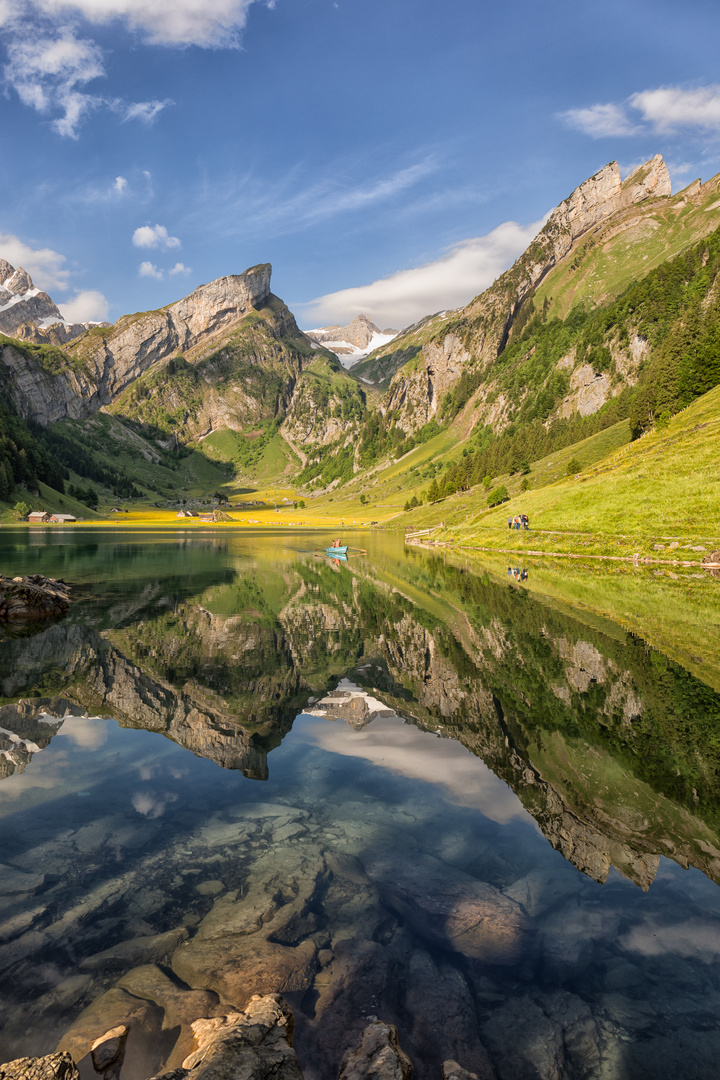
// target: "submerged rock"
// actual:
[[453, 909], [146, 947], [108, 1052], [114, 1009], [181, 1007], [33, 597], [258, 943]]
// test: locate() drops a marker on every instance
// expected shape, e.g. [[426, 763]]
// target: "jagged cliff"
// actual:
[[592, 246], [98, 366], [447, 345], [228, 356]]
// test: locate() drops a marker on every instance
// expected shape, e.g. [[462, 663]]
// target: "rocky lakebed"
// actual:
[[377, 864]]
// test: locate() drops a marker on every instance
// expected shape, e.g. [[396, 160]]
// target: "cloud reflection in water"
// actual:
[[392, 744]]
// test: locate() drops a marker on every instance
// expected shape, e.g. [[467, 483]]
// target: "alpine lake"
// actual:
[[479, 802]]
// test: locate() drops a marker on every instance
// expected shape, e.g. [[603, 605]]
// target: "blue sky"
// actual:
[[390, 156]]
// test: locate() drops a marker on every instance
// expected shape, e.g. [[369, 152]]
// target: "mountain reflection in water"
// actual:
[[422, 732]]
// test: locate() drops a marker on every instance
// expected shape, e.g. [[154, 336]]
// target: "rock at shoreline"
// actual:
[[255, 1044], [712, 562], [51, 1067], [377, 1056], [33, 597]]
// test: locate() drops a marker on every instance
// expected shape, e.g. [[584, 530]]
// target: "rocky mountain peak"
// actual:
[[601, 196], [21, 302], [15, 281], [651, 180]]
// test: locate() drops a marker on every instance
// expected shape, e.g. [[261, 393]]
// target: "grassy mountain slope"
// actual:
[[446, 364], [645, 355], [650, 491]]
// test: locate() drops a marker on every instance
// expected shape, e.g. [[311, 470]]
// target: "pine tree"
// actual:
[[6, 485]]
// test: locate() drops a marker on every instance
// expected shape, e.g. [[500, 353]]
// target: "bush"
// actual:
[[499, 495], [573, 466]]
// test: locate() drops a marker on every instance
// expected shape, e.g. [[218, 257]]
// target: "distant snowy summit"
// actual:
[[21, 302], [30, 314], [353, 342]]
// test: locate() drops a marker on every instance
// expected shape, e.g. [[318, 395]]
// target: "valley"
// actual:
[[575, 390]]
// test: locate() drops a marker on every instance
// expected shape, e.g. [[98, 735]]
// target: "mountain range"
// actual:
[[548, 354]]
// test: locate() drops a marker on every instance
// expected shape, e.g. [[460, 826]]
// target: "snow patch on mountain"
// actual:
[[21, 301], [353, 342], [30, 314]]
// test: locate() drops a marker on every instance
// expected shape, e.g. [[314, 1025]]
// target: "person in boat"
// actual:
[[336, 543]]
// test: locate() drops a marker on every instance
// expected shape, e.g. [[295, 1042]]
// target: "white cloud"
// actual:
[[120, 185], [90, 732], [665, 110], [86, 306], [180, 268], [151, 804], [154, 236], [45, 266], [670, 108], [49, 66], [48, 73], [146, 111], [148, 269], [600, 121], [366, 194], [253, 208], [406, 296], [164, 22], [696, 938], [390, 743]]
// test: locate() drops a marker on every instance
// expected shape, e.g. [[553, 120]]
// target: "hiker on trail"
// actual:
[[510, 523], [525, 521]]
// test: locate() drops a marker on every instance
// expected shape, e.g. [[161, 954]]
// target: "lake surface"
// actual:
[[395, 788]]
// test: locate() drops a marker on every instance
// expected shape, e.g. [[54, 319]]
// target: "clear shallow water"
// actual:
[[447, 806]]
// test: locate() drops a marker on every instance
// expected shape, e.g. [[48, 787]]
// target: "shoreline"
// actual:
[[646, 560]]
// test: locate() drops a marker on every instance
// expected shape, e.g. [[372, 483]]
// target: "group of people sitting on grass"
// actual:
[[517, 573], [520, 521]]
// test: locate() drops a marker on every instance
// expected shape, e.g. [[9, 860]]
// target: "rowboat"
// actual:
[[337, 550]]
